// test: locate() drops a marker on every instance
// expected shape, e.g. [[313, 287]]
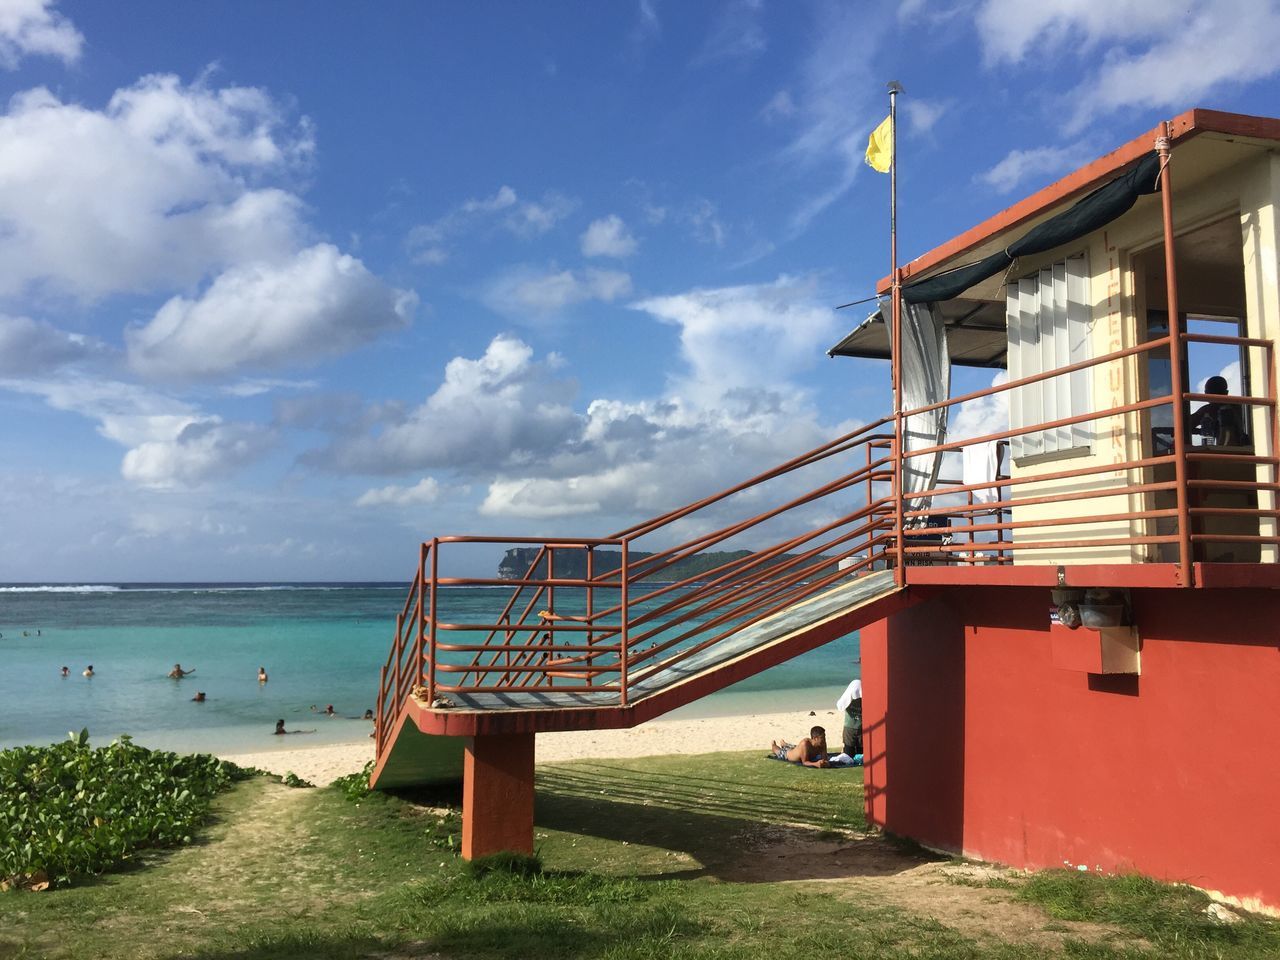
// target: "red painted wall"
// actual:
[[977, 743]]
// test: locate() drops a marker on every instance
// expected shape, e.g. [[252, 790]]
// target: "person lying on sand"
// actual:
[[280, 730], [177, 673], [811, 751]]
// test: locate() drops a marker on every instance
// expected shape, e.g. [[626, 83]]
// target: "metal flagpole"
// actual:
[[900, 573]]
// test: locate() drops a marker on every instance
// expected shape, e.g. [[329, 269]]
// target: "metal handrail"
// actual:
[[646, 626]]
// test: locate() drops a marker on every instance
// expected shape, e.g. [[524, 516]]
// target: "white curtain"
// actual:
[[926, 379]]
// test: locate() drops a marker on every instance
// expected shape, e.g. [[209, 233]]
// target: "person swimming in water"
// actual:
[[88, 671], [199, 697], [329, 711], [66, 672], [281, 731], [177, 673], [262, 674]]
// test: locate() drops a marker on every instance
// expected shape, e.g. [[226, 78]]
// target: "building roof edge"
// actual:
[[1183, 127]]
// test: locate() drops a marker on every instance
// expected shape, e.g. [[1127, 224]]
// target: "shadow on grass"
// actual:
[[302, 946], [733, 797], [729, 848]]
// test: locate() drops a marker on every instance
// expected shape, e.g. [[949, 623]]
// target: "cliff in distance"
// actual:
[[572, 564]]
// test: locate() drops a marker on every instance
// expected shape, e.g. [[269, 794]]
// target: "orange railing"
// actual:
[[602, 616]]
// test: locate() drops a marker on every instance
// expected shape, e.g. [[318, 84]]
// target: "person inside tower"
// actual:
[[1219, 424], [850, 704]]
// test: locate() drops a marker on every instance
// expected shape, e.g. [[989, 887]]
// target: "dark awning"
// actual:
[[1086, 215], [976, 334]]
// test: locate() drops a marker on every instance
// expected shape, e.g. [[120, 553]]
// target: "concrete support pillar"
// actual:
[[497, 795]]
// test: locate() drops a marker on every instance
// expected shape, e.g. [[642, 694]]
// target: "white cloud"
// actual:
[[171, 443], [149, 193], [33, 347], [426, 490], [428, 243], [319, 303], [32, 27], [200, 451], [779, 107], [648, 25], [1018, 166], [922, 115], [837, 106], [608, 237], [531, 219], [704, 220], [737, 33], [509, 420], [523, 292], [1141, 53], [1010, 29], [258, 386], [742, 337], [499, 408]]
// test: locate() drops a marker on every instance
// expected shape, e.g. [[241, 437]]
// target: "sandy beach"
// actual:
[[322, 764]]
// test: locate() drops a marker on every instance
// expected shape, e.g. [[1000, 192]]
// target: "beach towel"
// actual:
[[837, 761], [979, 466]]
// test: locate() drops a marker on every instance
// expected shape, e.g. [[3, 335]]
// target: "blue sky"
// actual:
[[289, 287]]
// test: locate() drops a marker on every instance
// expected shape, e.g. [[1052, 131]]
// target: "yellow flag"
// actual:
[[880, 146]]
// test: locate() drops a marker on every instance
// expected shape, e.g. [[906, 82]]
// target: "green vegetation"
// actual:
[[722, 856], [69, 810], [1169, 917]]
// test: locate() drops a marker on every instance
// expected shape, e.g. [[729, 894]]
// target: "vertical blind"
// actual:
[[1049, 316]]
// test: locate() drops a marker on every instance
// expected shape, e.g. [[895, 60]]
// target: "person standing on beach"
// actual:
[[850, 703], [177, 673]]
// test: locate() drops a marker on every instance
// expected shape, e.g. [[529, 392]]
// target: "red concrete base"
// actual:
[[497, 795], [978, 742]]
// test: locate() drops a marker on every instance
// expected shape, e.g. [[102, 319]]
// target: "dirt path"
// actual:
[[249, 863], [976, 900]]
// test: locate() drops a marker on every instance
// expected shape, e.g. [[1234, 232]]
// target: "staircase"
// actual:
[[616, 641]]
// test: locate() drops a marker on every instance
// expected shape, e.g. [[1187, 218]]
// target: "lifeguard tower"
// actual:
[[1065, 582]]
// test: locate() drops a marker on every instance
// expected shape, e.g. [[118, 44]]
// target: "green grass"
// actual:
[[663, 857], [1169, 917]]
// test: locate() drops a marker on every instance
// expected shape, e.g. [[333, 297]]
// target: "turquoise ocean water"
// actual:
[[320, 644]]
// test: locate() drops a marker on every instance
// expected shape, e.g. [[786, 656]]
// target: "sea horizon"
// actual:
[[322, 642]]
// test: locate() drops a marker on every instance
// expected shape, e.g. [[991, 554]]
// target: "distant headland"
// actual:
[[572, 564]]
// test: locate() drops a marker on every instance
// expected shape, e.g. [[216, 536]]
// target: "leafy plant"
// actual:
[[69, 810], [291, 779], [355, 786]]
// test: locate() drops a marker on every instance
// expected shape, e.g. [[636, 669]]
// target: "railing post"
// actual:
[[1176, 387], [591, 592], [1273, 435], [433, 550], [398, 679], [622, 651], [378, 722]]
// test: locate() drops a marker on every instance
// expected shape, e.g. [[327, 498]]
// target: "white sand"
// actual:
[[701, 735]]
